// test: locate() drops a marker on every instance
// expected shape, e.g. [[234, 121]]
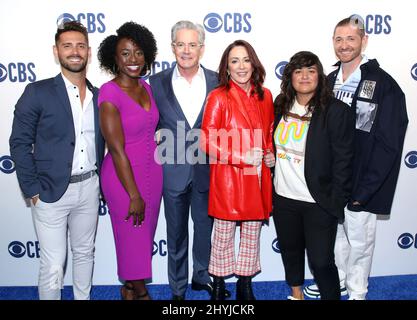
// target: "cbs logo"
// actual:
[[158, 66], [18, 250], [376, 23], [7, 165], [229, 22], [93, 22], [17, 72], [410, 159], [102, 208], [406, 240], [413, 72], [275, 246], [160, 248], [279, 69]]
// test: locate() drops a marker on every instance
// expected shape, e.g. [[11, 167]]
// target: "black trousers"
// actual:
[[304, 226]]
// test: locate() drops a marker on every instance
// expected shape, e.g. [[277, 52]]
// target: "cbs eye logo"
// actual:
[[7, 165], [213, 22], [17, 249], [414, 72], [406, 240], [279, 69], [410, 159], [275, 246], [229, 22], [64, 18], [3, 72]]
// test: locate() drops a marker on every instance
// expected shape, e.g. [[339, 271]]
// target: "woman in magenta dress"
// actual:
[[131, 178]]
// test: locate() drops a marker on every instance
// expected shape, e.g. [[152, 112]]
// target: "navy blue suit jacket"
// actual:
[[43, 138], [179, 173]]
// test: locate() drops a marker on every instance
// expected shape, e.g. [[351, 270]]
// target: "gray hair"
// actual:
[[185, 24]]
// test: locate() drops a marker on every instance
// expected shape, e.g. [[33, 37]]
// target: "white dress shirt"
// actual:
[[190, 96], [83, 115]]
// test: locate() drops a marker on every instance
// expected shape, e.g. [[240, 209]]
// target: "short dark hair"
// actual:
[[139, 34], [70, 26], [353, 20], [286, 98], [258, 74]]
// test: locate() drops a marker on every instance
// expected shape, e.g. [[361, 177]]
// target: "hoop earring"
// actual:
[[115, 69], [147, 73]]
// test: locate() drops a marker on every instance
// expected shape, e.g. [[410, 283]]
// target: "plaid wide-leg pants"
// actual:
[[222, 258]]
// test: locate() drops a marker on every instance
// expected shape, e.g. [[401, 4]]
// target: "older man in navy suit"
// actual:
[[58, 149], [180, 93]]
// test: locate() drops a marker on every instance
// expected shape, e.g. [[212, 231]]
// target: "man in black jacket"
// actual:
[[381, 123]]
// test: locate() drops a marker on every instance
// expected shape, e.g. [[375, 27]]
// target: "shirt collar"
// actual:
[[355, 74], [68, 84], [364, 60], [177, 75]]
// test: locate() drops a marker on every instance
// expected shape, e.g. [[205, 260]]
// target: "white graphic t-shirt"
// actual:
[[290, 139]]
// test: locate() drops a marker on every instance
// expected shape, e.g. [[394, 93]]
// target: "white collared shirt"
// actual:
[[83, 115], [190, 96]]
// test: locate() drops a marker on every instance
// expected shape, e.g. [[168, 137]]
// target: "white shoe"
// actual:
[[312, 291], [292, 298]]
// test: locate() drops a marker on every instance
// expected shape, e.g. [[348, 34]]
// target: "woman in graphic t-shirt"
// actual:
[[313, 138]]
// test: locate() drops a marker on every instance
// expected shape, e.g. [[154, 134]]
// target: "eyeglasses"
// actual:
[[192, 46]]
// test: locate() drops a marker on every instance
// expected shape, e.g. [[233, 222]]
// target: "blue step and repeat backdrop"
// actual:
[[277, 29]]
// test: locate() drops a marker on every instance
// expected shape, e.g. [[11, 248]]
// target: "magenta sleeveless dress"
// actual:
[[133, 244]]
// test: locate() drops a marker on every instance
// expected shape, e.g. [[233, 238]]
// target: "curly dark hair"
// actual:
[[284, 101], [139, 34], [258, 74]]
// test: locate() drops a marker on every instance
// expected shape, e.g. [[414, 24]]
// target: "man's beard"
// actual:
[[76, 68]]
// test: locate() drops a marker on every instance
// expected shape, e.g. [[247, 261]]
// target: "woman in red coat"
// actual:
[[236, 134]]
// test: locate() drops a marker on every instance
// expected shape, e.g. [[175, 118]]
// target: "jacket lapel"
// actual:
[[96, 117], [277, 119], [331, 78], [61, 92], [170, 96], [239, 106], [211, 83]]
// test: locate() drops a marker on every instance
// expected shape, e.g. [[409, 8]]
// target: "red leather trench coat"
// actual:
[[236, 192]]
